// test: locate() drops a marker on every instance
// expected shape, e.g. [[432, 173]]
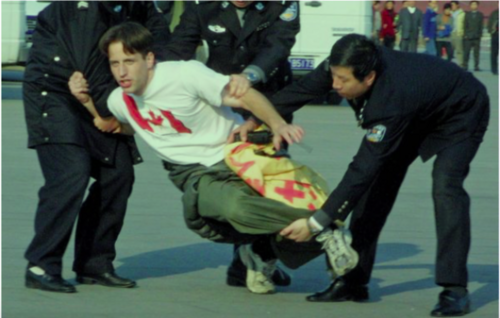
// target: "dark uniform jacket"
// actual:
[[473, 25], [264, 42], [66, 40], [415, 97]]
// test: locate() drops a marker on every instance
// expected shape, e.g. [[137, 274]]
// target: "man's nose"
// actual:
[[336, 84], [123, 70]]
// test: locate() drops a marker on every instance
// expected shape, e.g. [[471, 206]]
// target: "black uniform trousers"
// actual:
[[471, 44], [67, 170], [494, 53], [451, 207]]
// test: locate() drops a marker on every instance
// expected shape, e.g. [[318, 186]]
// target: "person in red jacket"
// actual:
[[388, 30]]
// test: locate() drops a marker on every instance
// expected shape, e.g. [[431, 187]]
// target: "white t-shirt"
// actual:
[[180, 115]]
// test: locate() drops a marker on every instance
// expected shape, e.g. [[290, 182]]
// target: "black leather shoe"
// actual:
[[109, 279], [451, 305], [53, 283], [339, 291], [237, 274]]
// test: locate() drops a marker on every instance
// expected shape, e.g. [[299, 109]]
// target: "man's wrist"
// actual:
[[313, 226]]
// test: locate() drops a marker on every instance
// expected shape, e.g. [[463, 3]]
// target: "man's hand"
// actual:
[[291, 133], [238, 86], [107, 125], [298, 231], [243, 130], [79, 87]]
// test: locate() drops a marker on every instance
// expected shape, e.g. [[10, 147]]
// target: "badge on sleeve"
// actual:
[[259, 6], [290, 14], [376, 134], [217, 28]]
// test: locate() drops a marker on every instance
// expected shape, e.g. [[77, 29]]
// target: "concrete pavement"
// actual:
[[181, 275]]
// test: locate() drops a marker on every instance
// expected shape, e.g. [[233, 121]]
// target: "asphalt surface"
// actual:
[[181, 275]]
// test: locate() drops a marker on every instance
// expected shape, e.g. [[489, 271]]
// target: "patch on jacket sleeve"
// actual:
[[376, 134], [290, 14]]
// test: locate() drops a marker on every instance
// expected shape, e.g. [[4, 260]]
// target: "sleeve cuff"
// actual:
[[322, 218], [316, 224]]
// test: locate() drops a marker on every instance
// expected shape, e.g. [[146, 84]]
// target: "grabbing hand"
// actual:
[[79, 87], [291, 133], [298, 231], [243, 130], [238, 86], [107, 124]]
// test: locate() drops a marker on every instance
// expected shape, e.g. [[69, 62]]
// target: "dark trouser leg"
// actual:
[[452, 205], [449, 51], [413, 45], [389, 42], [66, 170], [494, 53], [467, 48], [404, 45], [439, 49], [102, 214], [371, 212], [476, 45]]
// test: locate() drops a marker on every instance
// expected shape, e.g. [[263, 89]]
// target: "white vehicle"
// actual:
[[322, 23], [18, 23]]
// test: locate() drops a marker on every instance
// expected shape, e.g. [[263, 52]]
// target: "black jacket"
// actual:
[[473, 25], [415, 97], [264, 42], [66, 40]]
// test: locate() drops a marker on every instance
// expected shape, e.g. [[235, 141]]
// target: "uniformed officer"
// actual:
[[250, 38], [410, 105], [71, 150]]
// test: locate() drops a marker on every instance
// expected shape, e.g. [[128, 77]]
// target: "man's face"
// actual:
[[133, 72], [454, 7], [348, 86], [473, 6], [241, 4], [433, 4], [410, 4]]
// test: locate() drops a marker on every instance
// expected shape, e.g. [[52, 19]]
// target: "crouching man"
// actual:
[[183, 111]]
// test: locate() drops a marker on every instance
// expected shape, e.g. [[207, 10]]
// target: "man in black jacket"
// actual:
[[71, 150], [409, 108], [250, 38], [473, 31]]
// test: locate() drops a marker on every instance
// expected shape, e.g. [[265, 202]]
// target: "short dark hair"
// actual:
[[358, 52], [456, 2], [477, 2], [447, 6], [134, 37]]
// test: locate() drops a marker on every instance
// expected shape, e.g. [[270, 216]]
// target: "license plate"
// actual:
[[302, 63]]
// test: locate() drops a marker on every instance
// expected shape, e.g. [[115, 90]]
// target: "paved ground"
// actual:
[[181, 275]]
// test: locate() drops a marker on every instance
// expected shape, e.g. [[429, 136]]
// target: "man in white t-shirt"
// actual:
[[183, 111]]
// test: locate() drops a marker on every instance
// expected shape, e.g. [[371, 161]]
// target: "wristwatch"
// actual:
[[252, 77], [314, 230]]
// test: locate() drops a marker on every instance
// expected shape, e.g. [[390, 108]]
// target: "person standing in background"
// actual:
[[457, 35], [410, 22], [493, 29], [445, 28], [429, 28], [473, 31], [388, 30], [377, 22]]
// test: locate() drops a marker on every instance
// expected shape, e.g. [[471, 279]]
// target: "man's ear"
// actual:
[[370, 78], [150, 59]]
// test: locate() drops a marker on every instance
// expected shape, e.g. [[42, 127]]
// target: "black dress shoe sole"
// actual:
[[34, 284], [460, 314], [337, 300], [94, 281]]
